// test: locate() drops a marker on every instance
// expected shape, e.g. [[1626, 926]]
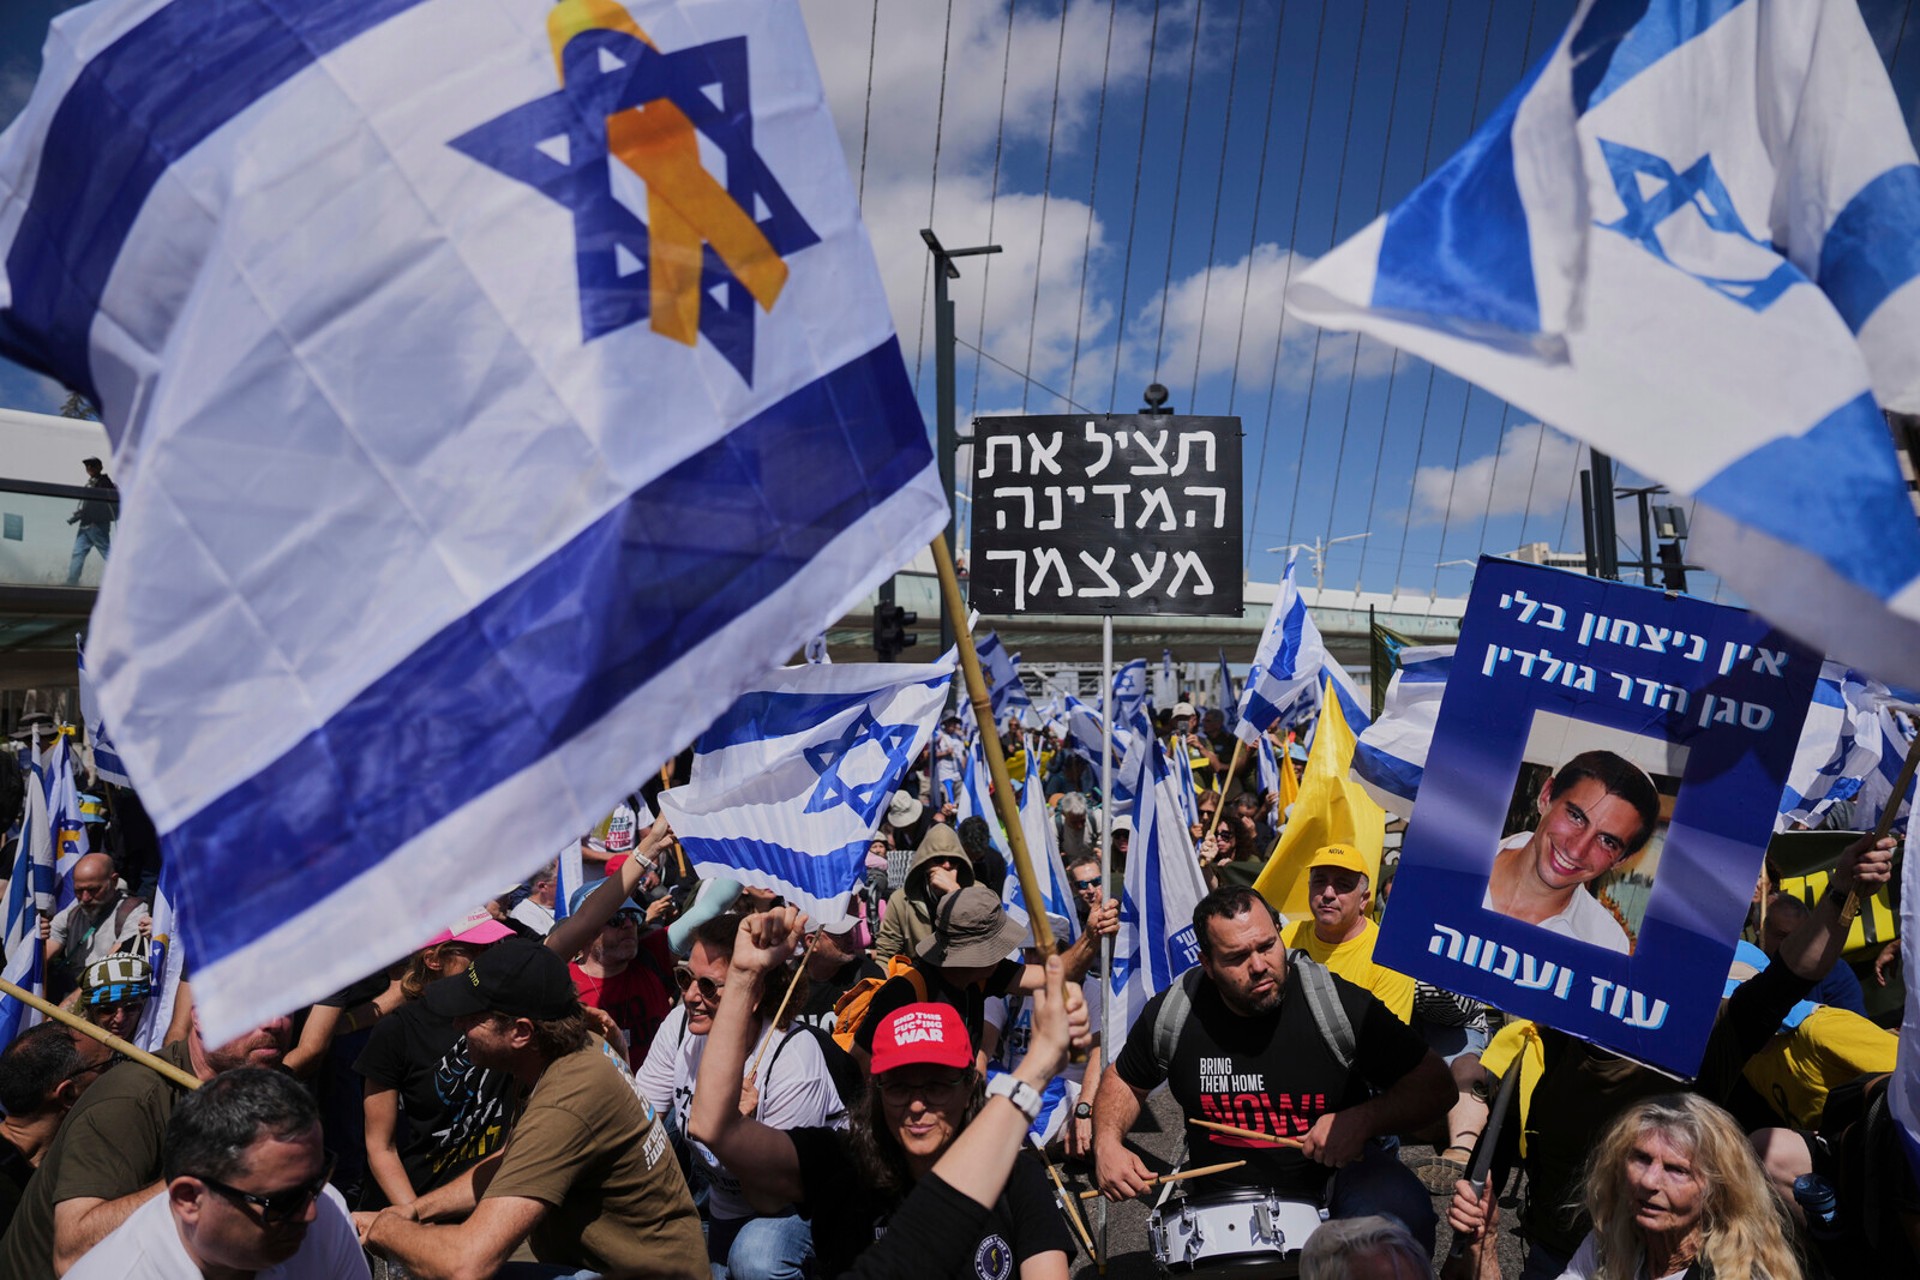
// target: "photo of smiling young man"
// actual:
[[1595, 812]]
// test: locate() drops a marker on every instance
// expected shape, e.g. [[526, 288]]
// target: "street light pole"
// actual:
[[946, 433]]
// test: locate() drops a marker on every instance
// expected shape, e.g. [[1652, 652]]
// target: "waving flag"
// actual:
[[1043, 847], [1162, 885], [1330, 809], [70, 842], [1841, 743], [974, 798], [1002, 669], [1289, 669], [790, 783], [1391, 754], [1166, 683], [106, 757], [1129, 692], [1689, 238], [29, 896], [168, 964], [1229, 704], [556, 322]]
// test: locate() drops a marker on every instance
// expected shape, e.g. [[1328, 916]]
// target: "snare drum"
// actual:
[[1245, 1232]]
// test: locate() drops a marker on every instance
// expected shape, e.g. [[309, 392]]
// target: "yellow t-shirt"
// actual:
[[1353, 960], [1795, 1071]]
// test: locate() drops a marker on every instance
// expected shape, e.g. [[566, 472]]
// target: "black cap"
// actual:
[[515, 976], [89, 462]]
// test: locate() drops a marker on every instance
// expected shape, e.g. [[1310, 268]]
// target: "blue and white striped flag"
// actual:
[[1840, 745], [29, 896], [1289, 668], [1229, 704], [1129, 692], [1009, 697], [70, 840], [1269, 766], [974, 798], [790, 783], [168, 963], [1166, 682], [1162, 885], [569, 873], [1180, 767], [106, 757], [367, 283], [1390, 757], [1690, 239], [1043, 847]]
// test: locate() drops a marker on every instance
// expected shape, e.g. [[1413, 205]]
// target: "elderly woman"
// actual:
[[1673, 1190]]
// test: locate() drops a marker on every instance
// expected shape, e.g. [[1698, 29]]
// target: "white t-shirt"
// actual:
[[1585, 1265], [147, 1247], [1583, 918], [68, 930], [796, 1092], [534, 916]]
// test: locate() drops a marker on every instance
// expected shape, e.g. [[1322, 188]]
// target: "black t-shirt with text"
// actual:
[[822, 996], [971, 1000], [1273, 1073], [847, 1218], [453, 1112]]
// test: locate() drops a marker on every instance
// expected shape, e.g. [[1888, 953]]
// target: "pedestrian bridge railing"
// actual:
[[38, 545]]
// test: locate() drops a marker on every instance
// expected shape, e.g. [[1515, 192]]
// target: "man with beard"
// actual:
[[1263, 1041], [246, 1190], [106, 1160]]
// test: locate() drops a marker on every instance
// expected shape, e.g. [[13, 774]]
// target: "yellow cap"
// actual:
[[1344, 856]]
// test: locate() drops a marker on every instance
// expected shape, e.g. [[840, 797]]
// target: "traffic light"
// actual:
[[1673, 566], [890, 634]]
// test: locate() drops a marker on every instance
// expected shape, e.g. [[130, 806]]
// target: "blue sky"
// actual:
[[1155, 172]]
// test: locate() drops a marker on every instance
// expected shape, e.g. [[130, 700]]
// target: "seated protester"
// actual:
[[42, 1074], [103, 918], [989, 865], [586, 1179], [246, 1193], [1351, 1247], [837, 961], [1455, 1027], [923, 1092], [617, 967], [105, 1161], [113, 994], [940, 865], [965, 963], [1339, 936], [535, 911], [431, 1112], [1077, 829], [791, 1088], [1260, 1045]]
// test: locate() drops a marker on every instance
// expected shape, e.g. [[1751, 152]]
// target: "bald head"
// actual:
[[1785, 913], [93, 881]]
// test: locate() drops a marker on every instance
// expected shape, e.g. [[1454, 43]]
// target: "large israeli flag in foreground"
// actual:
[[789, 784], [496, 392], [1292, 661], [1390, 757], [1689, 238]]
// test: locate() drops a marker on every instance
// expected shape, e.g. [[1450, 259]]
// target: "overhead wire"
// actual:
[[933, 197], [1133, 216], [1219, 189], [1179, 181], [866, 117], [990, 358], [1259, 191], [1093, 189], [1046, 198], [993, 203]]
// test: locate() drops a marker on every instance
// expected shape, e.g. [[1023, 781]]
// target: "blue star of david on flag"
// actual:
[[865, 798], [559, 145]]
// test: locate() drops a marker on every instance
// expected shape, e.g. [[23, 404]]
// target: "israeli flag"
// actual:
[[168, 963], [1162, 885], [1689, 238], [1840, 745], [1002, 669], [1289, 669], [1166, 683], [29, 896], [106, 757], [1084, 732], [569, 873], [1390, 756], [1130, 692], [1043, 848], [1180, 764], [1228, 703], [1876, 789], [790, 783], [604, 410], [974, 798], [70, 840], [1268, 763]]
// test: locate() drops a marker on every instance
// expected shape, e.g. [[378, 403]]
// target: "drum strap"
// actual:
[[1323, 1001]]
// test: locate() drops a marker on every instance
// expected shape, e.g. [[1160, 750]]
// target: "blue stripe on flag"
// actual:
[[1832, 491], [142, 103], [1869, 251], [1388, 772], [544, 659], [1603, 61], [766, 713], [824, 875]]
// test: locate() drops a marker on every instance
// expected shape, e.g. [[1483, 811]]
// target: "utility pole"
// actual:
[[946, 438], [1596, 493]]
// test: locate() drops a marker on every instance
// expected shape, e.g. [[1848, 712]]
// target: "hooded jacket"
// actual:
[[909, 915]]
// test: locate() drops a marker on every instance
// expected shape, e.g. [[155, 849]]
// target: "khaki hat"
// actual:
[[1343, 856], [903, 810], [970, 928]]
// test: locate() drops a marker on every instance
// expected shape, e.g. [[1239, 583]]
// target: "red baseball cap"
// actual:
[[921, 1035]]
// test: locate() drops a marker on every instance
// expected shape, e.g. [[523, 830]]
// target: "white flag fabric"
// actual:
[[167, 962], [1903, 1089], [1290, 668], [1166, 684], [29, 895], [479, 438], [1690, 238], [974, 797], [1840, 745], [790, 783], [70, 840], [1009, 697], [1043, 847], [106, 757], [1130, 692], [1161, 887], [1390, 756]]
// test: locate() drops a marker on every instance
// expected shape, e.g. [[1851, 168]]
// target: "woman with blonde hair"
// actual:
[[1673, 1190]]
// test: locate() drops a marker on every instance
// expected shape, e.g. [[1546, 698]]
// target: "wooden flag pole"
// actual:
[[990, 742], [799, 968], [106, 1038], [1239, 750], [1904, 779]]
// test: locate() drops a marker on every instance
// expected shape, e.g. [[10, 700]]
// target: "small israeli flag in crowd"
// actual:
[[1690, 239], [1002, 670], [790, 783], [1229, 703], [168, 963], [437, 380], [1162, 885], [1390, 756], [1043, 848], [1289, 669], [29, 895], [974, 798], [106, 757], [1842, 743], [1130, 692], [70, 840], [1269, 772]]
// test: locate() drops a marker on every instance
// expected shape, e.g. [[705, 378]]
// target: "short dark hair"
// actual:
[[1228, 902], [1621, 777], [31, 1067], [555, 1038], [213, 1126], [1088, 859], [719, 933], [976, 837]]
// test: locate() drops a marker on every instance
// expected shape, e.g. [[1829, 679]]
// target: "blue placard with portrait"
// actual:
[[1603, 780]]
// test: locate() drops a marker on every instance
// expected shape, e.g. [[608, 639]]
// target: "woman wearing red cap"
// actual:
[[923, 1092]]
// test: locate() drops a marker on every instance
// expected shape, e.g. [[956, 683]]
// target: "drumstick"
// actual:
[[1179, 1177], [1246, 1133], [1071, 1209]]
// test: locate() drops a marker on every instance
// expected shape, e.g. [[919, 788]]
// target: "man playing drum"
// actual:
[[1258, 1040]]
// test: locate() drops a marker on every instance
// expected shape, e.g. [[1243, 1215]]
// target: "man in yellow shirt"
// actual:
[[1338, 933]]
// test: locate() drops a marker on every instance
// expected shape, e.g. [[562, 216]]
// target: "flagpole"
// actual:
[[1851, 907], [1239, 749], [107, 1038], [1107, 819], [990, 742]]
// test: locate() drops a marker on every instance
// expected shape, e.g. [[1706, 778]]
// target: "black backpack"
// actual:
[[848, 1081]]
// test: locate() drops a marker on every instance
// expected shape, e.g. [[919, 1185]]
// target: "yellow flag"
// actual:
[[1331, 809], [1289, 780]]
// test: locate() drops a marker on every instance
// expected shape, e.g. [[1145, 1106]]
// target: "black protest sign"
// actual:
[[1119, 513]]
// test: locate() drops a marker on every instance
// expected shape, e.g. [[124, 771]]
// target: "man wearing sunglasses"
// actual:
[[246, 1190]]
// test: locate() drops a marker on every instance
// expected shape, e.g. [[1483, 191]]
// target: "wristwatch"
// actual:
[[1018, 1092], [1082, 1111]]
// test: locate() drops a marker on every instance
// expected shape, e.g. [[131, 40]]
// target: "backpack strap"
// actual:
[[1175, 1009], [1336, 1029]]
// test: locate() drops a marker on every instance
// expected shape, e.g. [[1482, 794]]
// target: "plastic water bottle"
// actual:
[[1815, 1196]]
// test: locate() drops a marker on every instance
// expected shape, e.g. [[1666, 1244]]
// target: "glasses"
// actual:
[[622, 918], [282, 1206], [709, 989], [1087, 886], [937, 1091]]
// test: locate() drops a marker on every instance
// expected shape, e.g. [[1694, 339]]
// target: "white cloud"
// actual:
[[1500, 482]]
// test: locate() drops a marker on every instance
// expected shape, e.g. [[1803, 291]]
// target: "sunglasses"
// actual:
[[937, 1090], [709, 989], [281, 1207]]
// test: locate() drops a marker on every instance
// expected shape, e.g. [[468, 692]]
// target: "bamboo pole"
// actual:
[[1239, 749], [1179, 1177], [990, 742], [107, 1038], [799, 968], [1851, 907]]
